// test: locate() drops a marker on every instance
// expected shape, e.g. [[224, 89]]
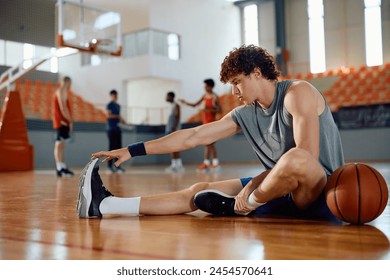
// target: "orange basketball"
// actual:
[[356, 193]]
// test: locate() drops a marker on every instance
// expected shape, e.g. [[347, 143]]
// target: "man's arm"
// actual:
[[110, 115], [179, 140], [192, 104], [305, 104]]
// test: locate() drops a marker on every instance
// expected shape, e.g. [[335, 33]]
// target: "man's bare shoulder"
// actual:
[[300, 85], [301, 96], [300, 89]]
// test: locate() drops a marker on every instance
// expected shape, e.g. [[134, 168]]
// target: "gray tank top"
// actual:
[[270, 131], [171, 119]]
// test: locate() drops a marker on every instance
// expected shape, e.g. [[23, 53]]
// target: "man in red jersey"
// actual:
[[62, 122], [209, 114]]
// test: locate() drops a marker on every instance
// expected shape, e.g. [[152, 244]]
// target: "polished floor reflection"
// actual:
[[38, 221]]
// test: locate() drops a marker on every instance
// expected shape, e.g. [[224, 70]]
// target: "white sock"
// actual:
[[173, 162], [215, 161], [252, 202], [120, 205], [206, 161], [179, 163], [60, 165]]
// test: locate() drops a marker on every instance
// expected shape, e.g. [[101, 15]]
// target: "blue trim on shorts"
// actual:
[[284, 206]]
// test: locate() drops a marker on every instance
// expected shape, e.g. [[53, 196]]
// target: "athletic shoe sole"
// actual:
[[215, 202], [85, 192]]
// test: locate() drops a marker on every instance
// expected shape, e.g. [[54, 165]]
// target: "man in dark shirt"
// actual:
[[114, 132]]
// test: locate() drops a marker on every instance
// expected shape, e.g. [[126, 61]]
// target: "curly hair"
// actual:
[[244, 60]]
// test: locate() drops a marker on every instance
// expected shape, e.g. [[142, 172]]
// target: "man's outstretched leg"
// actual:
[[95, 200]]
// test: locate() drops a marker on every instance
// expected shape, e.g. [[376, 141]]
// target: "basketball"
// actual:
[[356, 193]]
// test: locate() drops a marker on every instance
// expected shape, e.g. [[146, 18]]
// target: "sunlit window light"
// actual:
[[316, 36], [28, 54], [53, 62], [251, 25], [173, 46], [373, 32]]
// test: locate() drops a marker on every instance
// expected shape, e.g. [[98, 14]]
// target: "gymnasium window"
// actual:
[[251, 24], [54, 62], [373, 32], [13, 53], [315, 10], [249, 12], [28, 54], [173, 46]]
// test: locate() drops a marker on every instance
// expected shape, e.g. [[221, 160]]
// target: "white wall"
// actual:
[[149, 93], [297, 33], [344, 25], [267, 27]]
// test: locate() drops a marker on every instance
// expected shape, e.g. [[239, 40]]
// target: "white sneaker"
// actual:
[[175, 169], [170, 169], [180, 169]]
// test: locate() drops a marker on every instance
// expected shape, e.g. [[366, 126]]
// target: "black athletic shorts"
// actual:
[[63, 133], [284, 206]]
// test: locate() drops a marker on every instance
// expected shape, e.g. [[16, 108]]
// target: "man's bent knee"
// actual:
[[299, 165], [195, 188]]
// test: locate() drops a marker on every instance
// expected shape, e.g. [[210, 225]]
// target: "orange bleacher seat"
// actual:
[[337, 84], [376, 80], [374, 69], [329, 73], [309, 76], [362, 69], [386, 96]]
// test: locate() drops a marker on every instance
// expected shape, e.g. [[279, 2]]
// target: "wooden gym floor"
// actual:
[[38, 221]]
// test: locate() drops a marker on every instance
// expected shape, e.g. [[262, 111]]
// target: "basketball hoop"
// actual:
[[94, 44]]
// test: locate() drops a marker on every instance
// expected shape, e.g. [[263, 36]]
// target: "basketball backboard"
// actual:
[[87, 28]]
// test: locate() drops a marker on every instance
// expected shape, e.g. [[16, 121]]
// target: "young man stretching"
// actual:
[[288, 125]]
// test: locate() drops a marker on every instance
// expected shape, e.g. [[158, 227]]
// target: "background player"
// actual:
[[62, 122], [209, 114], [114, 132], [172, 125]]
